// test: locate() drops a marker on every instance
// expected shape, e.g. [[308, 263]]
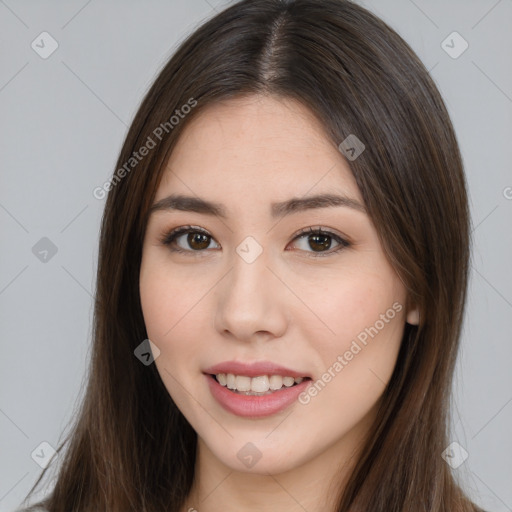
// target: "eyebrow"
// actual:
[[278, 210]]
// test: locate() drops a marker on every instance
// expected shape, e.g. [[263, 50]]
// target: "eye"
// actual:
[[320, 241], [197, 239]]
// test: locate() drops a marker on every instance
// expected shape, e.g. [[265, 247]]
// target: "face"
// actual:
[[303, 290]]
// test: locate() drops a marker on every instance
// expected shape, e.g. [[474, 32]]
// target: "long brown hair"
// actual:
[[130, 448]]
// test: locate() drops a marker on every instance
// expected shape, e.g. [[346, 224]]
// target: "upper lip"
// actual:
[[254, 369]]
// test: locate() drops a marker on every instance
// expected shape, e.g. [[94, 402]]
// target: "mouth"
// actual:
[[255, 397], [260, 385]]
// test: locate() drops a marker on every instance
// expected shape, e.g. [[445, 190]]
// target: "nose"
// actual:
[[250, 301]]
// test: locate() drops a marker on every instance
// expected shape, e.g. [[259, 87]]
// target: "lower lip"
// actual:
[[253, 406]]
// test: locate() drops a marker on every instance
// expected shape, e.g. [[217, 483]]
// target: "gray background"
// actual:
[[63, 120]]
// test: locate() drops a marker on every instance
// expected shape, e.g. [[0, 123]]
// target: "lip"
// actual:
[[254, 369], [252, 406]]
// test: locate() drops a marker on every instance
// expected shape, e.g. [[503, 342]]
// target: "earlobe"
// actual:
[[413, 317]]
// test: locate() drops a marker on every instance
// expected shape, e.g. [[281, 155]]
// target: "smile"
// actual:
[[260, 385], [256, 404]]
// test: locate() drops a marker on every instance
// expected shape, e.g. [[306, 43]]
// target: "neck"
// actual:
[[313, 486]]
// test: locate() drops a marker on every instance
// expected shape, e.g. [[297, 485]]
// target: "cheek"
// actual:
[[168, 305], [157, 306], [167, 298], [349, 303], [365, 316], [175, 310]]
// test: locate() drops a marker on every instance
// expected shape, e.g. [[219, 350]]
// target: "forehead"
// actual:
[[258, 147]]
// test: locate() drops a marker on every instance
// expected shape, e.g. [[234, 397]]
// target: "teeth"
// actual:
[[259, 384], [243, 383], [254, 385], [276, 382], [231, 381], [288, 381]]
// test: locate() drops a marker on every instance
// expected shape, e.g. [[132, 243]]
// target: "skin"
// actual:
[[294, 305]]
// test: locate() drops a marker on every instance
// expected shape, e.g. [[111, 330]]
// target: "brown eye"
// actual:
[[196, 240], [317, 242], [320, 241]]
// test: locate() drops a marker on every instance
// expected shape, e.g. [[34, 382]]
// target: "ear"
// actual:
[[413, 316]]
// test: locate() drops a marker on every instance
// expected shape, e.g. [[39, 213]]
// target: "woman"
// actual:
[[281, 281]]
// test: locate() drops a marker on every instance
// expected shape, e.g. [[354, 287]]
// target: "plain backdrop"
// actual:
[[63, 119]]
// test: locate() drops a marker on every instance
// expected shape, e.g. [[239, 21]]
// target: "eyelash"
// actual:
[[169, 238]]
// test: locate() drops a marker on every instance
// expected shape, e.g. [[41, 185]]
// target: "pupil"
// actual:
[[196, 237], [325, 244]]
